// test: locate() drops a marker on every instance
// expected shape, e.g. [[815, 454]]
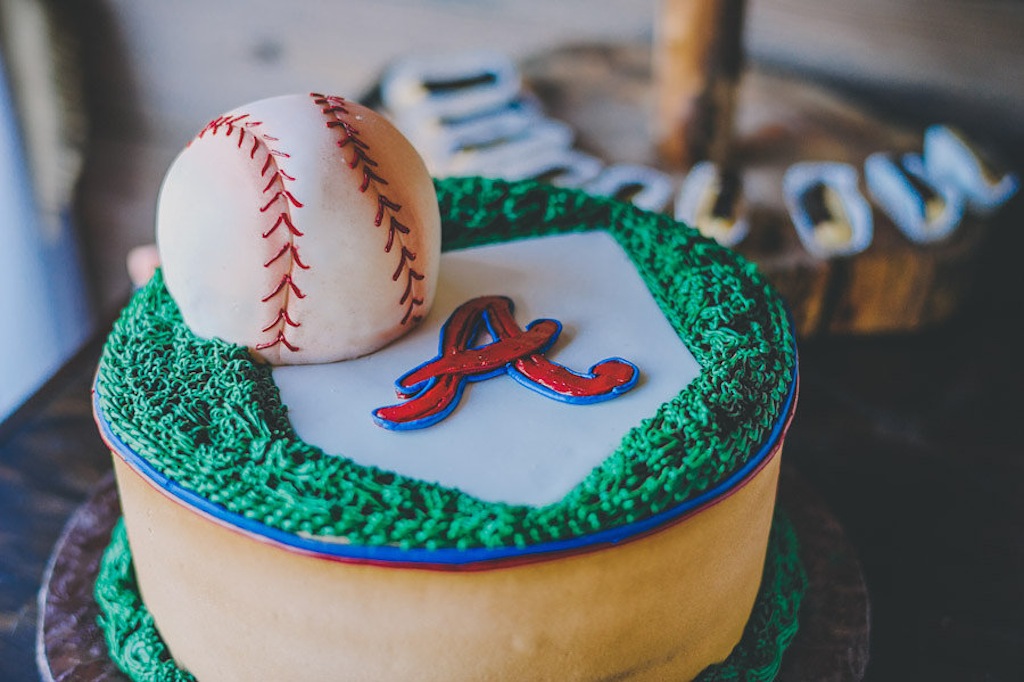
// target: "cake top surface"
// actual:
[[208, 423], [502, 441]]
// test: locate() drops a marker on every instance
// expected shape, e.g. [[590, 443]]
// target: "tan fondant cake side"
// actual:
[[662, 606]]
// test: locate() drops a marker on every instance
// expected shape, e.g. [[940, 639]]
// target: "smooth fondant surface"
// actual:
[[498, 444], [304, 227]]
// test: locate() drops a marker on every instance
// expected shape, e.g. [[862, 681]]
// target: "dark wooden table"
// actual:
[[914, 442]]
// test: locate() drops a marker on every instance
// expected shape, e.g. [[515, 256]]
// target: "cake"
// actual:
[[553, 455]]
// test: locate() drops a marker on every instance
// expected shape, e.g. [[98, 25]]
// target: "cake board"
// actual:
[[832, 643]]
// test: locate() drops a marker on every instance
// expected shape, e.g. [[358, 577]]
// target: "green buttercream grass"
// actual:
[[136, 647], [203, 413]]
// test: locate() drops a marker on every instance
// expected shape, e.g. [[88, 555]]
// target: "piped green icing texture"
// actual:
[[136, 647], [203, 413]]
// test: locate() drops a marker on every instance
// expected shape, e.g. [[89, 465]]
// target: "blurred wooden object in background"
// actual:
[[697, 58]]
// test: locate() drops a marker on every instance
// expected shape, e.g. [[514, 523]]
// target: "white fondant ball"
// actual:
[[304, 227]]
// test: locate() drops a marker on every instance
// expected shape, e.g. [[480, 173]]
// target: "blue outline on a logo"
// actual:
[[413, 391]]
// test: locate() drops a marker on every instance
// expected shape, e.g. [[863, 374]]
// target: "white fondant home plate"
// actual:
[[504, 442]]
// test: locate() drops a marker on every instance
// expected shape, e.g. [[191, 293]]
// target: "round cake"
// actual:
[[565, 468]]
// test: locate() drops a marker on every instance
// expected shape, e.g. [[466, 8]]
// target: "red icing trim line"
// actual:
[[336, 109], [293, 251], [281, 199]]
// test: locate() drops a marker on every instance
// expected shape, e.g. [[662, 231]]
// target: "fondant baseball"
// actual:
[[304, 227]]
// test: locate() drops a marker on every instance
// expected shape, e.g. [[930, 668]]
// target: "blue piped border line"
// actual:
[[446, 558]]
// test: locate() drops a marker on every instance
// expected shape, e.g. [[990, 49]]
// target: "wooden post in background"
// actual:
[[698, 56]]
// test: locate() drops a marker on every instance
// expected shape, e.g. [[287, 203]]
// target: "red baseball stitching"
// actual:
[[278, 206], [336, 109]]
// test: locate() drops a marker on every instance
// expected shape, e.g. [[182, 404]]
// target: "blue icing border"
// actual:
[[452, 557]]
